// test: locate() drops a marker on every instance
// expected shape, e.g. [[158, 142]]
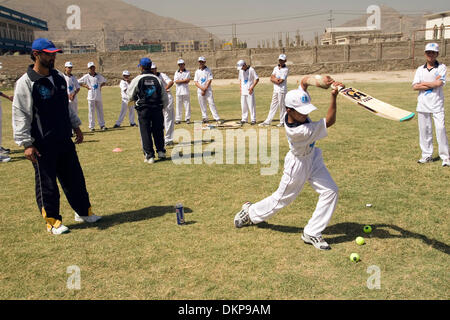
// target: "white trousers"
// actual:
[[123, 113], [298, 170], [169, 121], [183, 100], [426, 134], [203, 100], [74, 106], [248, 104], [95, 106], [277, 104]]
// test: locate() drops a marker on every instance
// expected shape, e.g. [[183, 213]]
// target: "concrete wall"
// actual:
[[303, 60]]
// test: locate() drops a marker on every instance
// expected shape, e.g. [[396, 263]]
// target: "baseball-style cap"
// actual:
[[145, 62], [90, 64], [180, 61], [240, 64], [282, 57], [43, 44], [126, 73], [202, 59], [68, 64], [432, 47], [300, 101]]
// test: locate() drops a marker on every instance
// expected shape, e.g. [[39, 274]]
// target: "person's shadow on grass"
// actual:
[[348, 231], [111, 220]]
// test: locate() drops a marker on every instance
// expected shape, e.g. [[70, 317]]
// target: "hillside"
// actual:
[[121, 21]]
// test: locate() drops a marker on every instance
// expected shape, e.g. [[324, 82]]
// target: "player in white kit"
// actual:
[[72, 86], [182, 77], [429, 80], [279, 80], [94, 82], [4, 153], [248, 79], [303, 163], [168, 111], [124, 83], [202, 79]]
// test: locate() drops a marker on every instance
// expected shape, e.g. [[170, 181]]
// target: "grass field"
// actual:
[[137, 251]]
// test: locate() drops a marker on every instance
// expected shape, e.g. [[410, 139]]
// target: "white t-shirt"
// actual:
[[165, 81], [302, 137], [182, 88], [431, 100], [72, 86], [94, 83], [280, 73], [247, 78], [123, 90], [202, 76]]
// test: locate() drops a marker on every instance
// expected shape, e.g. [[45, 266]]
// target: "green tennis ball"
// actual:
[[367, 229], [360, 241], [354, 257]]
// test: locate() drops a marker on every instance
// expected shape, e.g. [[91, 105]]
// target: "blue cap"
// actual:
[[145, 62], [43, 44]]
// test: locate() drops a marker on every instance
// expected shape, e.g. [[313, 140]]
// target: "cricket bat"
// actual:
[[375, 106]]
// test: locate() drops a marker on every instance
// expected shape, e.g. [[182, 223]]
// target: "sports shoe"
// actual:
[[4, 158], [169, 143], [317, 242], [425, 160], [91, 219], [220, 121], [133, 125], [91, 129], [446, 163], [205, 120], [60, 230], [241, 122], [280, 125], [149, 160], [116, 126], [5, 151], [103, 128], [188, 121], [263, 124], [177, 122], [253, 123], [161, 155], [242, 218]]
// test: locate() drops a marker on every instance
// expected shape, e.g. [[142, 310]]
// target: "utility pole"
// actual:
[[104, 37], [330, 19]]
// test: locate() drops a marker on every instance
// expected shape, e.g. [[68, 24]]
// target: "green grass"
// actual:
[[139, 252]]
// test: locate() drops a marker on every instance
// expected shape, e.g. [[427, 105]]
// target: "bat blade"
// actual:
[[375, 106]]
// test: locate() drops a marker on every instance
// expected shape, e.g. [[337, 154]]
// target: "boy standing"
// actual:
[[302, 163], [248, 80], [182, 77], [124, 83], [4, 153], [72, 86], [429, 80]]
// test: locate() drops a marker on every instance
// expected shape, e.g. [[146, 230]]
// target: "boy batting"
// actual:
[[303, 163]]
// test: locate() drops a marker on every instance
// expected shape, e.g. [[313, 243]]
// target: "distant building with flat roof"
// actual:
[[437, 25], [17, 30]]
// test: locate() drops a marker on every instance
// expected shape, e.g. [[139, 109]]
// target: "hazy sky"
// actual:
[[307, 16]]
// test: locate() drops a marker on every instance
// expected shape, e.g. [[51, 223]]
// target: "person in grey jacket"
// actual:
[[150, 97], [43, 124]]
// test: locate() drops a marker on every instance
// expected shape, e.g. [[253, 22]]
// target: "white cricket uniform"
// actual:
[[279, 93], [94, 98], [430, 104], [201, 77], [123, 111], [302, 163], [168, 111], [72, 86], [182, 94], [247, 78]]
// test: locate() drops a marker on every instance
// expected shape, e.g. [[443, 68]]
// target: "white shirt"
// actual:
[[247, 78], [202, 76], [280, 73], [431, 100], [72, 86], [182, 88], [302, 138], [94, 83], [123, 90], [165, 80]]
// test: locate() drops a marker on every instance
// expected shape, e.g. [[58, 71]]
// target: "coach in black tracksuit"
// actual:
[[150, 97], [43, 124]]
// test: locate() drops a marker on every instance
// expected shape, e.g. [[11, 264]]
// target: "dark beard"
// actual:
[[50, 64]]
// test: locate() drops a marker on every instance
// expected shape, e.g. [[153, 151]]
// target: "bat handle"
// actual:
[[339, 87]]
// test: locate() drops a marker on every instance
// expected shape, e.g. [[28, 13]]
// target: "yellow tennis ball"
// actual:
[[367, 229], [354, 257], [360, 241]]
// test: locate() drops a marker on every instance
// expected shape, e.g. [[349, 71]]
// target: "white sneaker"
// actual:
[[5, 151], [161, 155], [149, 160], [60, 230], [317, 242], [242, 218], [280, 125], [4, 158], [425, 160], [263, 124], [91, 219], [446, 163]]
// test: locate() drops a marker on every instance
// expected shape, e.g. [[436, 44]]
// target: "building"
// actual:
[[68, 47], [148, 46], [17, 31], [437, 26], [187, 45], [357, 35]]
